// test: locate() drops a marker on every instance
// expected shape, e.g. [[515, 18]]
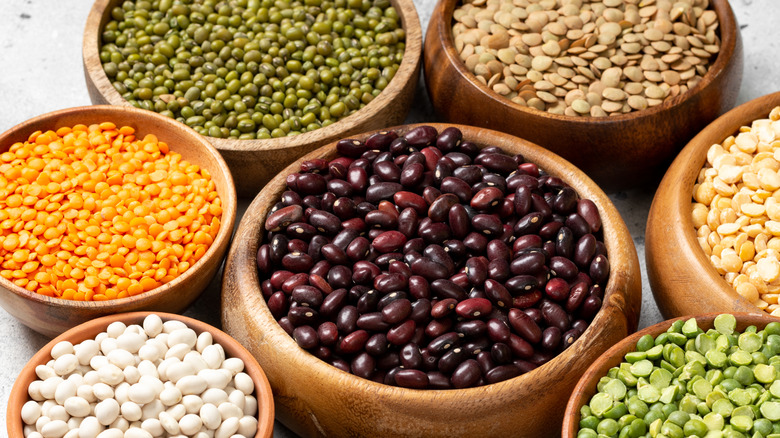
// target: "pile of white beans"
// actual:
[[159, 379]]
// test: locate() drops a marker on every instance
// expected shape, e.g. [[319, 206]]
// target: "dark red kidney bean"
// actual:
[[428, 269], [466, 375], [443, 343], [389, 241], [310, 201], [327, 333], [340, 364], [407, 222], [439, 255], [277, 248], [529, 224], [358, 249], [266, 288], [381, 140], [381, 219], [283, 217], [346, 319], [529, 263], [501, 373], [340, 188], [437, 232], [469, 174], [597, 291], [522, 200], [325, 222], [443, 307], [499, 270], [498, 249], [387, 171], [459, 221], [306, 337], [564, 242], [444, 288], [565, 201], [476, 242], [550, 230], [443, 169], [389, 298], [551, 338], [520, 347], [554, 315], [353, 342], [397, 311], [368, 302], [501, 353], [411, 357], [525, 326], [450, 360], [527, 241], [300, 315], [580, 325], [421, 136], [477, 293], [288, 283], [292, 181], [601, 248], [557, 289], [457, 187], [526, 300], [577, 294], [476, 345], [351, 148], [372, 322], [438, 380], [401, 333], [599, 269], [420, 310], [468, 148], [363, 365], [440, 207], [354, 224], [334, 255], [518, 179], [498, 330], [476, 270], [390, 375], [364, 272], [404, 199], [577, 224], [584, 250], [590, 307], [384, 260], [430, 193], [460, 159], [569, 337], [364, 207], [587, 210], [377, 345], [485, 360], [310, 184], [307, 296], [277, 304], [488, 224], [264, 264], [337, 170], [419, 287], [297, 262], [381, 191], [432, 156], [412, 174], [541, 206], [524, 365], [290, 197], [455, 249], [449, 139], [497, 293], [315, 245], [471, 328], [506, 209], [521, 284], [399, 267], [340, 276], [472, 308], [495, 180], [297, 245], [535, 314], [327, 201], [498, 163], [563, 267], [411, 378], [286, 325], [438, 327]]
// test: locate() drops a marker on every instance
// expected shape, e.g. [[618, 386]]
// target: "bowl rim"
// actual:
[[617, 295], [227, 221], [728, 33], [410, 22], [18, 395], [617, 352]]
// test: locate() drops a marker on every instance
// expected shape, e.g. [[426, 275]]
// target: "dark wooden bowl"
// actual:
[[617, 151], [586, 387], [314, 398], [254, 162], [88, 330], [52, 316], [677, 267]]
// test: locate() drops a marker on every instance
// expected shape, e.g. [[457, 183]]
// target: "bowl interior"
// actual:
[[18, 395]]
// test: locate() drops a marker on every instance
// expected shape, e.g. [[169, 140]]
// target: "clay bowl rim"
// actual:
[[101, 113], [412, 57], [88, 330], [623, 281], [728, 32], [674, 195], [586, 386]]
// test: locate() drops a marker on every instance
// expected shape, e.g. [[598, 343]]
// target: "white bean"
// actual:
[[147, 368], [177, 370], [244, 383], [34, 390], [107, 411], [153, 426], [132, 374], [41, 421], [108, 345], [250, 405], [153, 325], [76, 378], [173, 325], [98, 361], [90, 427], [176, 411], [102, 391], [137, 432], [77, 407], [131, 411], [65, 364], [121, 358], [33, 434], [130, 341], [44, 372], [60, 348], [196, 360], [191, 385], [178, 351], [214, 355], [65, 390], [169, 423], [162, 367], [229, 410], [214, 396], [72, 433], [192, 403], [152, 382], [185, 336], [120, 423], [210, 416], [152, 410], [237, 398], [149, 352], [116, 328], [49, 386], [247, 425], [111, 374], [170, 396], [75, 422], [91, 377], [58, 413], [190, 424], [227, 428], [54, 429], [85, 350], [86, 392], [204, 340], [122, 393], [141, 394], [216, 378], [234, 364], [111, 433], [31, 411]]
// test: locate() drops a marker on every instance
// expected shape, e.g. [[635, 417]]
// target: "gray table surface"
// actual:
[[41, 71]]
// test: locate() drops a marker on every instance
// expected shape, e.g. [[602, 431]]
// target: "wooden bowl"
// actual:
[[52, 316], [254, 162], [586, 387], [314, 398], [677, 267], [88, 330], [617, 151]]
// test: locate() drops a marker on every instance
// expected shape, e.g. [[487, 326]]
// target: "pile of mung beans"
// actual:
[[418, 259], [92, 213], [587, 57], [736, 211], [692, 382], [141, 381], [252, 68]]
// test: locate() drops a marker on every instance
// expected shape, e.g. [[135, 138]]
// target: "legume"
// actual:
[[736, 211], [692, 382], [155, 379], [93, 213], [424, 262], [252, 68], [587, 57]]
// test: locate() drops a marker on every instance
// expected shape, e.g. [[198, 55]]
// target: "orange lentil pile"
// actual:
[[93, 213]]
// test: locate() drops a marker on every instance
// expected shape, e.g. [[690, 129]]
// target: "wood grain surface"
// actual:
[[681, 276], [254, 162], [51, 316], [316, 399], [618, 151]]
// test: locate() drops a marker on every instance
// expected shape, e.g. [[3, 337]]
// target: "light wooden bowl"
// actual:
[[51, 316], [315, 399], [617, 151], [677, 267], [586, 387], [88, 330], [254, 162]]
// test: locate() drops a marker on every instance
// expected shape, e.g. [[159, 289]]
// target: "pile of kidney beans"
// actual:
[[423, 261]]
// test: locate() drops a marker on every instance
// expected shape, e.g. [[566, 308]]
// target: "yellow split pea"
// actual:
[[93, 213]]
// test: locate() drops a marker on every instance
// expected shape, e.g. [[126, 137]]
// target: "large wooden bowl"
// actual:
[[52, 316], [315, 399], [254, 162], [586, 387], [18, 396], [677, 267], [618, 151]]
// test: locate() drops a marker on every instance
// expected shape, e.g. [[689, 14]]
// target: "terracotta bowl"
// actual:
[[617, 151], [254, 162], [314, 398], [52, 316], [586, 387], [88, 330], [677, 267]]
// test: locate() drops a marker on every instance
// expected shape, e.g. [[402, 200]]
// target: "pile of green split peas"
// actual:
[[252, 69], [688, 382]]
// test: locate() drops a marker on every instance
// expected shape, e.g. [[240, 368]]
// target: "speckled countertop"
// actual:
[[41, 71]]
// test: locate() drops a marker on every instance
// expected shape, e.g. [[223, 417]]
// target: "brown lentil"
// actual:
[[94, 213]]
